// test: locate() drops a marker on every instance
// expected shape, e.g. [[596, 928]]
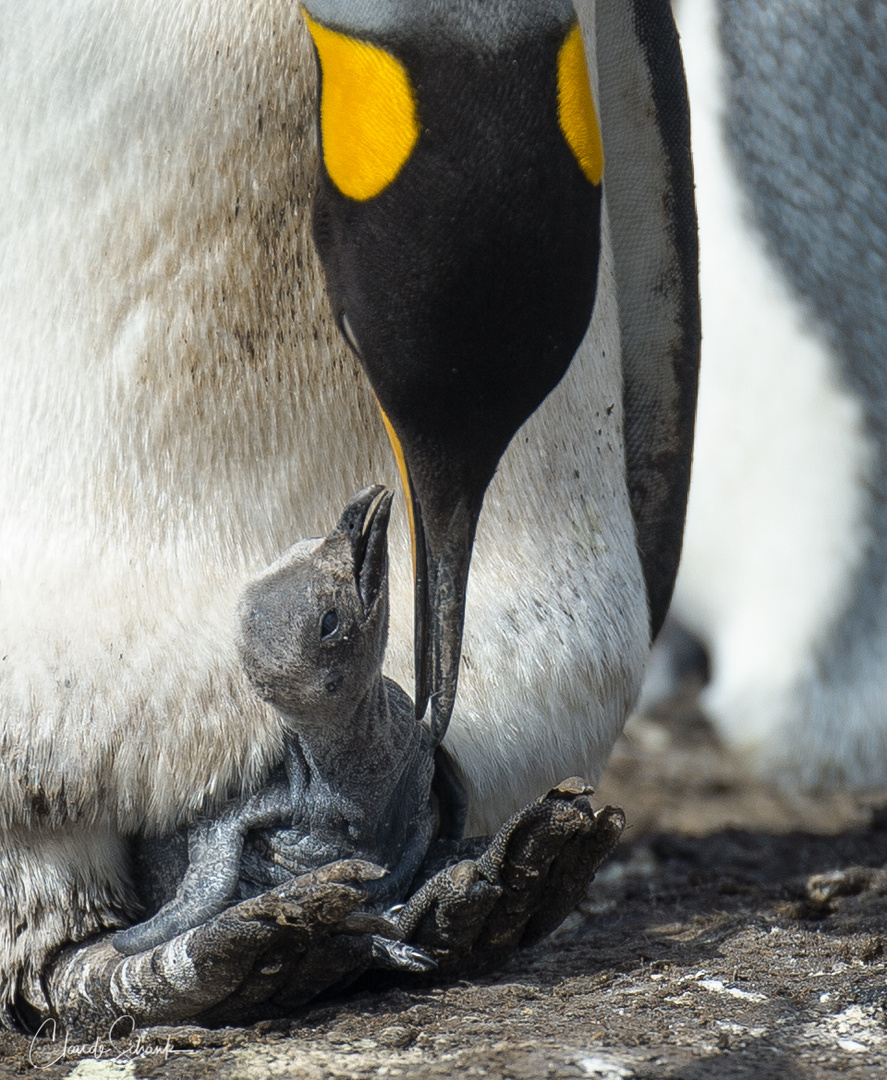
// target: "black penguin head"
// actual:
[[312, 629], [458, 222]]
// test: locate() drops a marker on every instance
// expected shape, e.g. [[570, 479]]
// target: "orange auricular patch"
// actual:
[[404, 477], [369, 121], [575, 107]]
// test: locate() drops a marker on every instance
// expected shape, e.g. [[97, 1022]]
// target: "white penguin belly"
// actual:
[[777, 526], [178, 407]]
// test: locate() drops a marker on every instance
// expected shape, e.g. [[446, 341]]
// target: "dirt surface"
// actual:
[[700, 952]]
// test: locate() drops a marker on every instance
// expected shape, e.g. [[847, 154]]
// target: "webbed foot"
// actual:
[[472, 915], [284, 939], [271, 954]]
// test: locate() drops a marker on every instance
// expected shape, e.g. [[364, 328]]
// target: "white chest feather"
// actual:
[[779, 523], [177, 409]]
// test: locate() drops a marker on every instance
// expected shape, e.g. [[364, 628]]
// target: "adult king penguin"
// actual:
[[179, 402], [783, 575]]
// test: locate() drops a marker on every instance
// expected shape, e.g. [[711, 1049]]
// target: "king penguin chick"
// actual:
[[356, 778]]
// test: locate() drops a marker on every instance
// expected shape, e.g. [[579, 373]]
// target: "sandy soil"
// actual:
[[700, 952]]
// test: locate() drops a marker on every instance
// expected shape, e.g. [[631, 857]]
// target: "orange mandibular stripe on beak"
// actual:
[[404, 478], [422, 627]]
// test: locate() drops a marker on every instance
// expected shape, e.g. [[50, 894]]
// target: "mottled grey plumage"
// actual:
[[356, 779]]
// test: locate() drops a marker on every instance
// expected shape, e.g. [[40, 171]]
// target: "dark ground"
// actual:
[[699, 953]]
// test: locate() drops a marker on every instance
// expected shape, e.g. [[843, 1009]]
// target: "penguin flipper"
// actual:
[[648, 184], [215, 848]]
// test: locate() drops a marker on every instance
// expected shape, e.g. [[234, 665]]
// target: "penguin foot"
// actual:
[[473, 914], [227, 968], [482, 899]]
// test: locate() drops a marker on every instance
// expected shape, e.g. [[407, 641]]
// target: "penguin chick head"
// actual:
[[312, 629]]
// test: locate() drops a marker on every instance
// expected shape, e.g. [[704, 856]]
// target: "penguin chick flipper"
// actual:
[[243, 954], [215, 848], [472, 916], [197, 901]]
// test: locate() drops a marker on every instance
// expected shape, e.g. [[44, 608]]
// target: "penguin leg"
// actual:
[[226, 968], [519, 886], [210, 882]]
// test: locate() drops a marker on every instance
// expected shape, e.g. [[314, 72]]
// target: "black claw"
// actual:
[[399, 956]]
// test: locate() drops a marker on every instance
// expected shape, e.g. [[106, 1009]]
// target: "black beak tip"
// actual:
[[364, 522], [359, 512]]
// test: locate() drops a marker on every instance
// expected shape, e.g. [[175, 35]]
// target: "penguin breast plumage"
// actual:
[[783, 570]]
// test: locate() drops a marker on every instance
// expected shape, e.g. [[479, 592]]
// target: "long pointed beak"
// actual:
[[444, 530]]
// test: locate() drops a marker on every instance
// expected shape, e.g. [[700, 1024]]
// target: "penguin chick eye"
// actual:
[[329, 624]]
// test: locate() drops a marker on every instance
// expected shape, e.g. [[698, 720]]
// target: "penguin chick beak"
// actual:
[[364, 522], [444, 537]]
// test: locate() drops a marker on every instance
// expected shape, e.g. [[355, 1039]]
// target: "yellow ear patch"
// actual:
[[575, 107], [369, 123]]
